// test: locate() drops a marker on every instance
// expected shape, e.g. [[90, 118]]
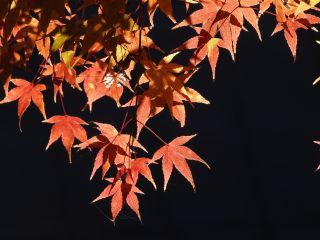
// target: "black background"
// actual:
[[257, 135]]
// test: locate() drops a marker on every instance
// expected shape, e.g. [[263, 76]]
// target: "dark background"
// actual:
[[257, 135]]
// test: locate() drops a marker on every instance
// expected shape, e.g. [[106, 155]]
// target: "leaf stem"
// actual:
[[40, 69], [156, 135], [62, 104], [267, 12]]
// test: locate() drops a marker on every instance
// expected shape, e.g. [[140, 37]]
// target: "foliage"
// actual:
[[96, 46]]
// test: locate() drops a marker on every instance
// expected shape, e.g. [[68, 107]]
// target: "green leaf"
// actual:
[[67, 57], [59, 40]]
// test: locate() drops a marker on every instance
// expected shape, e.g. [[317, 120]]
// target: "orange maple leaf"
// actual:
[[121, 193], [26, 92], [140, 166], [123, 187], [166, 79], [283, 8], [68, 128], [114, 147], [100, 80], [205, 45], [290, 27], [149, 106], [62, 71], [175, 154], [227, 19], [136, 41]]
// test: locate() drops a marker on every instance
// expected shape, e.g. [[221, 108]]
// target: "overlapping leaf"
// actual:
[[121, 193], [290, 27], [104, 48], [114, 148], [100, 80]]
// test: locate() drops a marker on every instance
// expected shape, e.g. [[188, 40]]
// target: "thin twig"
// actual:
[[156, 135]]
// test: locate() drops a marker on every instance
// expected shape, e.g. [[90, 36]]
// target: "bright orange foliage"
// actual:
[[95, 53]]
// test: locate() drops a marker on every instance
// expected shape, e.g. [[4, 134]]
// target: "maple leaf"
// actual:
[[98, 44], [121, 193], [226, 18], [143, 110], [136, 41], [305, 5], [114, 148], [100, 80], [140, 166], [107, 32], [202, 15], [25, 29], [63, 71], [205, 45], [178, 107], [67, 128], [283, 8], [148, 107], [25, 92], [27, 35], [290, 27], [43, 46], [175, 154], [163, 80], [59, 72]]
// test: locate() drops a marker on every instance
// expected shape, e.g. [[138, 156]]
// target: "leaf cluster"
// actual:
[[94, 47]]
